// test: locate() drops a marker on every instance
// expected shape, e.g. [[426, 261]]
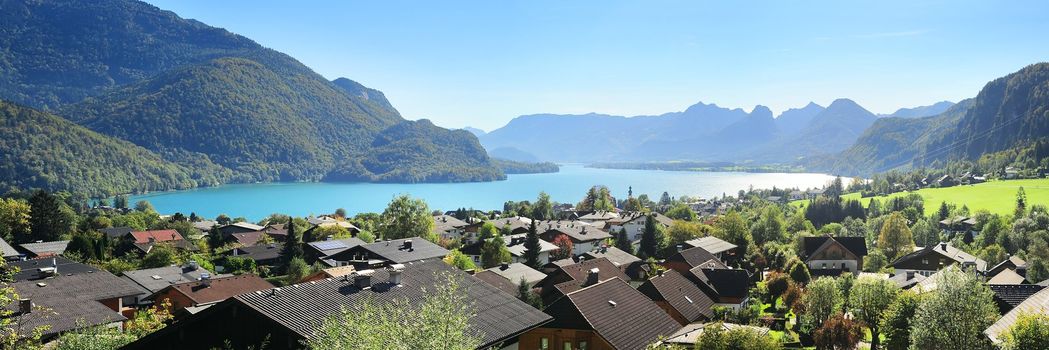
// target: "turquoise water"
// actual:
[[256, 201]]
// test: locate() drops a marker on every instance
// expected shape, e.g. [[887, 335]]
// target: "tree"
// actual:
[[771, 227], [494, 252], [955, 314], [340, 213], [49, 217], [868, 300], [1031, 331], [406, 217], [681, 211], [682, 231], [82, 245], [944, 212], [838, 333], [292, 246], [733, 229], [895, 238], [649, 244], [144, 206], [543, 209], [1021, 203], [623, 242], [321, 233], [875, 261], [799, 272], [120, 202], [716, 336], [14, 220], [822, 300], [564, 248], [532, 247], [297, 270], [159, 256], [460, 260], [440, 321], [776, 283], [897, 320], [92, 338], [525, 294]]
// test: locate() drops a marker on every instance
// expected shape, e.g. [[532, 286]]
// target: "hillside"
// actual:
[[198, 95], [41, 150], [998, 197], [921, 111]]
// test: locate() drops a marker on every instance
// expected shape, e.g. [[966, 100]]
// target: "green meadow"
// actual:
[[995, 196]]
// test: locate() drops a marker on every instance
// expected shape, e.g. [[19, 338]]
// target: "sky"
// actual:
[[482, 63]]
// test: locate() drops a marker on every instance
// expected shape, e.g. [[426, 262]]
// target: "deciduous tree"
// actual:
[[895, 238], [868, 300], [406, 217], [955, 314]]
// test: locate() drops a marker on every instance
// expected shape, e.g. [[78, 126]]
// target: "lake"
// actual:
[[256, 201]]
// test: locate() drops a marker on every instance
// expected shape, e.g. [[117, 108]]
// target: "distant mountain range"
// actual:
[[703, 132], [211, 104]]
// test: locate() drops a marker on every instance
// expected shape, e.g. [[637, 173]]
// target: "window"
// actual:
[[544, 343], [582, 345], [568, 345]]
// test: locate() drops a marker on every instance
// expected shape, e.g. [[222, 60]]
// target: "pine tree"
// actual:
[[623, 242], [292, 245], [1021, 203], [49, 217], [532, 248], [648, 239]]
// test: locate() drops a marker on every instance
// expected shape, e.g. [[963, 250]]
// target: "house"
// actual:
[[1007, 276], [150, 281], [499, 282], [517, 271], [584, 237], [1008, 296], [1011, 173], [604, 315], [719, 248], [1037, 303], [634, 224], [516, 245], [688, 336], [325, 220], [796, 195], [832, 256], [198, 295], [448, 227], [516, 224], [628, 263], [331, 272], [679, 297], [395, 251], [959, 225], [9, 252], [928, 260], [116, 233], [946, 181], [563, 279], [685, 260], [284, 317], [728, 287], [66, 296], [205, 225], [599, 218], [1013, 262], [143, 241], [44, 249], [277, 231], [247, 239], [238, 227], [320, 250], [264, 255]]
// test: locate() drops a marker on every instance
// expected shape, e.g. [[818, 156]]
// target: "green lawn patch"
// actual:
[[995, 196]]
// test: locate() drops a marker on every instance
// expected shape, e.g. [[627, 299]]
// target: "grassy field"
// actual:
[[995, 196]]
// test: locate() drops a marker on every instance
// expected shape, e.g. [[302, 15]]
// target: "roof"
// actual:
[[515, 223], [600, 215], [1013, 262], [1007, 276], [302, 307], [1037, 303], [155, 279], [7, 250], [248, 238], [498, 281], [46, 248], [577, 231], [217, 289], [516, 244], [276, 229], [205, 225], [247, 225], [398, 250], [259, 252], [68, 297], [1008, 296], [514, 272], [711, 244], [326, 248], [732, 283], [615, 255], [116, 232], [662, 219], [156, 236], [682, 295], [856, 245], [689, 334], [948, 251], [621, 315], [903, 282], [578, 272], [693, 256], [442, 223]]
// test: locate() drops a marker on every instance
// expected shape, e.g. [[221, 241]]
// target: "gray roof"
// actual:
[[617, 256], [442, 223], [711, 244], [69, 297], [116, 232], [514, 272], [516, 244], [7, 250], [327, 248], [152, 280], [43, 248], [396, 250], [576, 230], [259, 252], [689, 334], [949, 251], [1035, 304], [1007, 276]]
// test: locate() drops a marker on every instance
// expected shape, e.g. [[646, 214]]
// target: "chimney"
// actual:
[[504, 266], [25, 306], [396, 270], [591, 277], [910, 275], [205, 279], [943, 246], [364, 279], [193, 266], [408, 244]]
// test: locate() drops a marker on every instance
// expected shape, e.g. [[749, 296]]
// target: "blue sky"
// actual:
[[481, 63]]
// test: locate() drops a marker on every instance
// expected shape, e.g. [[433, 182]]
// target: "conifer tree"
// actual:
[[292, 245], [532, 248]]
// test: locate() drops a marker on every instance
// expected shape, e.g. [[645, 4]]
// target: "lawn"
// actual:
[[995, 196]]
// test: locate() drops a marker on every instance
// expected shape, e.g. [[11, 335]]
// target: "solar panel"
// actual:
[[329, 245]]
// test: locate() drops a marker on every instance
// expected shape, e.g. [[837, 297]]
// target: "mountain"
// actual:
[[1008, 113], [830, 131], [200, 96], [477, 132], [510, 153], [794, 119], [41, 150], [922, 111]]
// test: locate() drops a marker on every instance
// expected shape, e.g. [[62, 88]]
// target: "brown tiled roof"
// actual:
[[621, 315], [248, 238], [498, 281], [220, 288], [579, 271], [693, 256], [681, 294]]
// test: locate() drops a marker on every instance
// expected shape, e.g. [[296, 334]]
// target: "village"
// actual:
[[600, 274]]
